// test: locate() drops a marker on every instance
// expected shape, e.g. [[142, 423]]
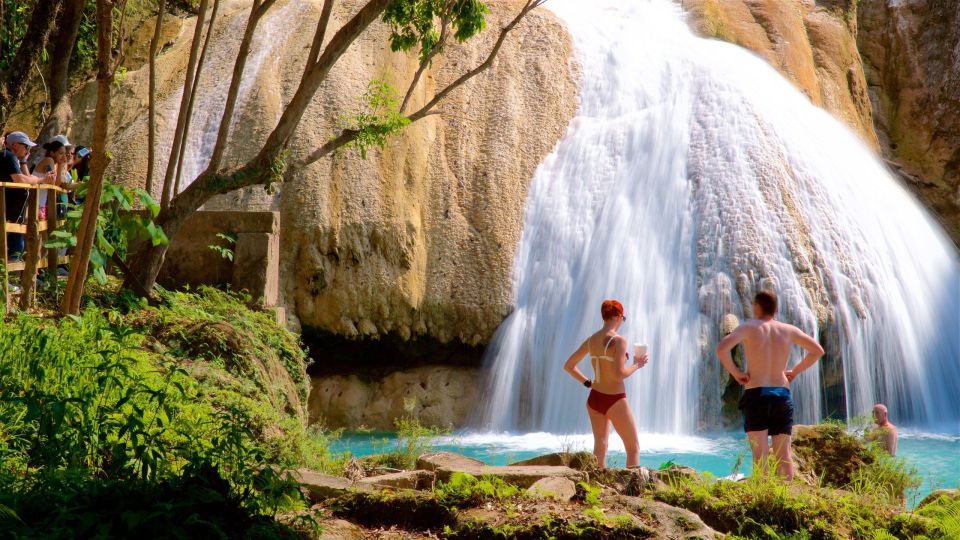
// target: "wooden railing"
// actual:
[[34, 231]]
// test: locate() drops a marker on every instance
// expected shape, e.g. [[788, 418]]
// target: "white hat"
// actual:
[[19, 137], [62, 139]]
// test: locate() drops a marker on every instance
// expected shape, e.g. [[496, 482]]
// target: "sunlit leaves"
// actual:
[[377, 119], [418, 23]]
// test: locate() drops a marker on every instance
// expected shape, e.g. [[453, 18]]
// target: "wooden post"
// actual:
[[28, 279], [52, 196], [3, 250]]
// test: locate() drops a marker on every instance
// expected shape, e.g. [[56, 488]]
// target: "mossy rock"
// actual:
[[408, 510], [581, 461], [827, 453]]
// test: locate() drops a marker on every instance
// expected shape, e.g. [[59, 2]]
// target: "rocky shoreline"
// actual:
[[564, 495]]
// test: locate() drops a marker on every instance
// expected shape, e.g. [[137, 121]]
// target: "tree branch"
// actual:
[[348, 136], [223, 132], [428, 59], [318, 37]]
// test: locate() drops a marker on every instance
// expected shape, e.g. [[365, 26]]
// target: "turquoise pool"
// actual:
[[936, 457]]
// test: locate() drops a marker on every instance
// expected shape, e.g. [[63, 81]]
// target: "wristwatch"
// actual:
[[588, 383]]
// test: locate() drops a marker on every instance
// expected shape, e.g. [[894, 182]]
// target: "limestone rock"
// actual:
[[401, 480], [441, 396], [677, 473], [811, 43], [319, 487], [912, 65], [447, 460], [560, 489], [669, 521], [419, 238], [582, 461], [827, 453]]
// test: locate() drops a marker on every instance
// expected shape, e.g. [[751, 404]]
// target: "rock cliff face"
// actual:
[[418, 239], [812, 43], [911, 54]]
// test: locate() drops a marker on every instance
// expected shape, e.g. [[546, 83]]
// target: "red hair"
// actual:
[[610, 309]]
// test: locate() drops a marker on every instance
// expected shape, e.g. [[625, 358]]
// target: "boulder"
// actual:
[[560, 489], [447, 460], [401, 480], [626, 481], [827, 453], [319, 487], [676, 473], [669, 521], [582, 461]]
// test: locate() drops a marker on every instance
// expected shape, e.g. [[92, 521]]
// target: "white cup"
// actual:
[[639, 350]]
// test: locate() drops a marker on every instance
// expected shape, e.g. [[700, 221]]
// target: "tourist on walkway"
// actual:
[[766, 404], [13, 168], [607, 402]]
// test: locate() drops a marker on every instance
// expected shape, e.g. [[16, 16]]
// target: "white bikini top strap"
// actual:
[[608, 344]]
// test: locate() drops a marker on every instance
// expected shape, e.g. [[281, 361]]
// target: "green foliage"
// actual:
[[944, 518], [766, 507], [105, 434], [117, 226], [225, 251], [418, 23], [16, 17], [465, 490], [378, 118], [884, 476]]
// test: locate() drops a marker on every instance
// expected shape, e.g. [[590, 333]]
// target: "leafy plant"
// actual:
[[226, 251], [118, 226], [464, 490], [378, 118]]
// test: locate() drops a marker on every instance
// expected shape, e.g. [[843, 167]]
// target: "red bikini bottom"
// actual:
[[601, 402]]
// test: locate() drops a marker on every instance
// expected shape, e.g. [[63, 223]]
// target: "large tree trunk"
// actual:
[[14, 80], [68, 26], [98, 163]]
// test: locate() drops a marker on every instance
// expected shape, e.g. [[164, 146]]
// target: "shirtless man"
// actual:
[[886, 432], [766, 404]]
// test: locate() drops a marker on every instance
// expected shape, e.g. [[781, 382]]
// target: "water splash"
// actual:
[[692, 175]]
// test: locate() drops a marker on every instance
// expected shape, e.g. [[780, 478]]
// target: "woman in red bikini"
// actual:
[[607, 403]]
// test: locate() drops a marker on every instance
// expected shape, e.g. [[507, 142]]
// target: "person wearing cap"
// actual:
[[13, 161], [56, 162]]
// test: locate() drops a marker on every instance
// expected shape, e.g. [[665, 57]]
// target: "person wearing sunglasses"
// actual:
[[607, 402]]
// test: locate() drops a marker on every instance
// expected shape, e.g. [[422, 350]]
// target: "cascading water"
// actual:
[[270, 38], [692, 175]]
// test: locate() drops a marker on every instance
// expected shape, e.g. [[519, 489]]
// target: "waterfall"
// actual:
[[269, 41], [692, 175]]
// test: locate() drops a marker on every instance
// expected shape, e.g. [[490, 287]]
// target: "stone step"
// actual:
[[444, 464], [319, 487], [401, 480]]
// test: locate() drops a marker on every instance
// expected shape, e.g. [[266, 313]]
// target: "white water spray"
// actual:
[[692, 175]]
